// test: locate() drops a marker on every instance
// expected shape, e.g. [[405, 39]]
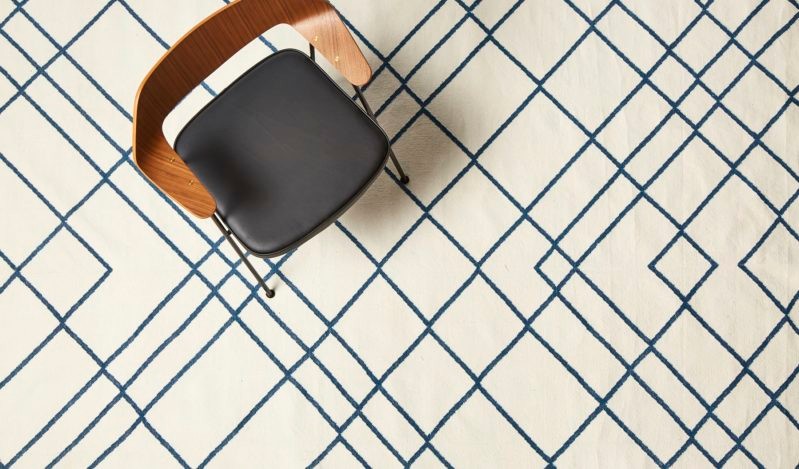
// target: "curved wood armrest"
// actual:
[[204, 49]]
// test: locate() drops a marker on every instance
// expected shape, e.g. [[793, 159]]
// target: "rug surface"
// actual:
[[595, 264]]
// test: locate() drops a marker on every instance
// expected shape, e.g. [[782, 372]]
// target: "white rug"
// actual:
[[596, 262]]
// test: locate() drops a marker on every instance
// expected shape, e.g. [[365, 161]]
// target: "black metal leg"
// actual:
[[313, 53], [269, 292], [403, 177]]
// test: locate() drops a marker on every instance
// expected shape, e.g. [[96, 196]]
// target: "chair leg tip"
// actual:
[[405, 179], [270, 293]]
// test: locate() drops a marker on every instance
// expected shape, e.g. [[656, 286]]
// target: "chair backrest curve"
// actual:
[[204, 49]]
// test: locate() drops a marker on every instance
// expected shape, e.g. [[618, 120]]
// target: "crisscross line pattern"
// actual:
[[596, 260]]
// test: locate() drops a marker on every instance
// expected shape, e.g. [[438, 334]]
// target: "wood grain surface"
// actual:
[[204, 49]]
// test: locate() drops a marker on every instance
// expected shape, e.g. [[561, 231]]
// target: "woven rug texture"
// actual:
[[595, 263]]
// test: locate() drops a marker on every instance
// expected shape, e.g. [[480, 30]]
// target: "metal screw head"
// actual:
[[191, 182], [336, 59], [316, 39], [172, 159]]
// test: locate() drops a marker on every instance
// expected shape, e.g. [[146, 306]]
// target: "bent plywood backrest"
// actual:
[[204, 49]]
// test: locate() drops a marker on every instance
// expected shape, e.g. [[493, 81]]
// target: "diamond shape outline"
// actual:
[[712, 265]]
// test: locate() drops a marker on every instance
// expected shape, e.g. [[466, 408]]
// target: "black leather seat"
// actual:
[[284, 151]]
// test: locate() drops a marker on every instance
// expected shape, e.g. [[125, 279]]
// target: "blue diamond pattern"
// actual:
[[541, 82]]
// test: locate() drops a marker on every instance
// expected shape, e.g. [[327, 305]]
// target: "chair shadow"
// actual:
[[427, 155], [424, 151]]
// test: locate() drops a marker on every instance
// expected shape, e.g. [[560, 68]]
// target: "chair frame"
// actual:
[[199, 53]]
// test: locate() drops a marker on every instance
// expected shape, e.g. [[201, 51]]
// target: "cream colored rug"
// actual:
[[596, 262]]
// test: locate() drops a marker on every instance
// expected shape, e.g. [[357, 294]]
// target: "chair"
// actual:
[[283, 151]]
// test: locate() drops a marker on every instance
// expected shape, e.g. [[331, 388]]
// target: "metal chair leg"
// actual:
[[403, 177], [269, 292]]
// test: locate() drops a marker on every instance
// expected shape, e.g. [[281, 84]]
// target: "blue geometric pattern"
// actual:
[[724, 242]]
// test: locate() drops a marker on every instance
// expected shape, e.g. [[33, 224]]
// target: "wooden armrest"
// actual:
[[204, 49]]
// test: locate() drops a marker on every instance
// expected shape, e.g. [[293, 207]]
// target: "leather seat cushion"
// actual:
[[284, 151]]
